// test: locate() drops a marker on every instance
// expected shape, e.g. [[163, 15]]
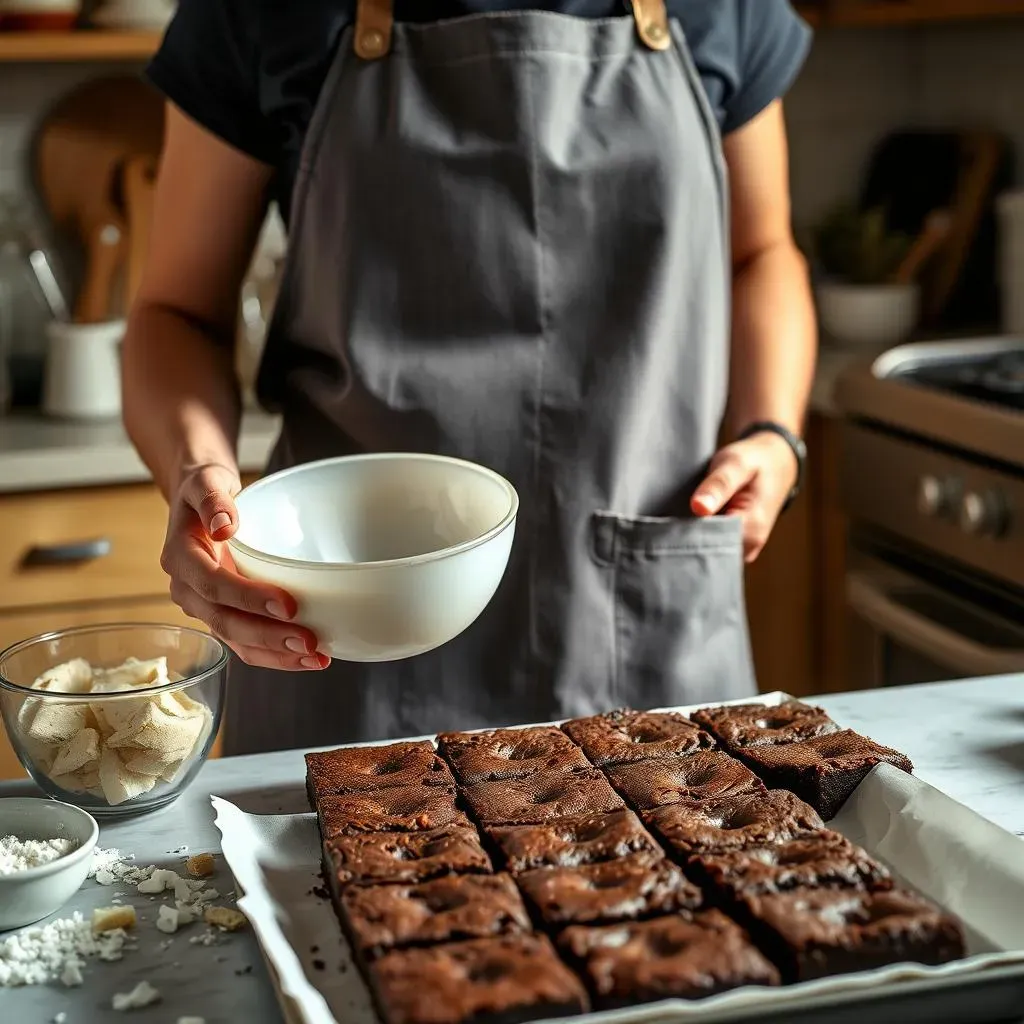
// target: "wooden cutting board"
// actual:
[[81, 149]]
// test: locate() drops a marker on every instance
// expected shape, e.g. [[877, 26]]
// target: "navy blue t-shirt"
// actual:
[[250, 71]]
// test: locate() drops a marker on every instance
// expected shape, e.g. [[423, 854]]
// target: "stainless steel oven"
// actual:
[[916, 627], [933, 482]]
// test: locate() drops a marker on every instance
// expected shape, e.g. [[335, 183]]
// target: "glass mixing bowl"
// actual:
[[116, 719]]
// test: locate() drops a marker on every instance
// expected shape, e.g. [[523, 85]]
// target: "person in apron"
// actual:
[[509, 241]]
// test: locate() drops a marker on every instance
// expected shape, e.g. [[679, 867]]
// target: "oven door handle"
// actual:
[[879, 609]]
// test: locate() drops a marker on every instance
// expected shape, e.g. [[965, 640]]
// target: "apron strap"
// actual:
[[374, 21], [652, 23], [376, 18]]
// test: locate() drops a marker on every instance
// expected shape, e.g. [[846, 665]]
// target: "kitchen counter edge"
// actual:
[[39, 454]]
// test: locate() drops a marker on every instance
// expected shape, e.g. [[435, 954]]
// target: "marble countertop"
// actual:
[[37, 453], [966, 738]]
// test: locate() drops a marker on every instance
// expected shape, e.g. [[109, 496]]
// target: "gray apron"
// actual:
[[509, 244]]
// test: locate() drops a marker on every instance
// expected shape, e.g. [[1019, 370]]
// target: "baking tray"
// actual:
[[935, 845]]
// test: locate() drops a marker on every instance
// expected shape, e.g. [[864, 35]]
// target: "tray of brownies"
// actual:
[[740, 862]]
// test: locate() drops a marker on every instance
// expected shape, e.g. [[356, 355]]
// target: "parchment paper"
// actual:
[[955, 857]]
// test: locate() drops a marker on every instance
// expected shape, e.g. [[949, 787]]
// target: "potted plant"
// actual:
[[866, 292]]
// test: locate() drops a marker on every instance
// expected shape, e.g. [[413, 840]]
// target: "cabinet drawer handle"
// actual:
[[73, 553]]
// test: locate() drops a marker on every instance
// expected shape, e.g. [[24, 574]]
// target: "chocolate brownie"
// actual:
[[352, 769], [623, 735], [502, 980], [403, 856], [541, 797], [824, 771], [751, 819], [811, 933], [825, 860], [756, 725], [569, 842], [684, 956], [693, 778], [401, 809], [379, 918], [641, 885], [510, 753]]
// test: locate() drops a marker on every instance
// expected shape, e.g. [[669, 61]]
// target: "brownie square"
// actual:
[[353, 769], [403, 856], [510, 753], [754, 819], [631, 888], [694, 778], [380, 918], [568, 842], [624, 735], [541, 797], [756, 725], [812, 933], [685, 956], [824, 771], [502, 980], [825, 860], [401, 809]]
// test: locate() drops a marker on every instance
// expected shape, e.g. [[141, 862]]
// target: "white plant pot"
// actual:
[[869, 315]]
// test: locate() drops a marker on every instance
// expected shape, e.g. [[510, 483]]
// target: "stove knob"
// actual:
[[982, 513], [933, 496]]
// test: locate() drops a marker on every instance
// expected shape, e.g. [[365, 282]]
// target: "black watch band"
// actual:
[[795, 443]]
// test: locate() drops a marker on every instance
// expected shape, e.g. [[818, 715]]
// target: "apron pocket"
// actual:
[[680, 624]]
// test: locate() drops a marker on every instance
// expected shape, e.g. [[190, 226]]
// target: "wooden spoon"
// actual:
[[928, 242]]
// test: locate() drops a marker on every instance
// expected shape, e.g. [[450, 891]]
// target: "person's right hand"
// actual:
[[253, 619]]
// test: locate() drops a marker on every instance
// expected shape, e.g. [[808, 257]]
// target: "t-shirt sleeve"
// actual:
[[772, 45], [208, 66]]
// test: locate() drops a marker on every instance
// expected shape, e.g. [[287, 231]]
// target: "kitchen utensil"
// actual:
[[196, 660], [867, 315], [1011, 261], [934, 233], [82, 150], [389, 555], [139, 185], [39, 261], [83, 370], [29, 896], [913, 173], [105, 254]]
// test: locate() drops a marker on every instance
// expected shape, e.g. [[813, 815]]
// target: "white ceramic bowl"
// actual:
[[869, 315], [388, 555], [29, 896]]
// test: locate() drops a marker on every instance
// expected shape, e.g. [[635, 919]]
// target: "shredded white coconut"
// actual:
[[142, 995], [57, 950], [110, 866], [21, 854]]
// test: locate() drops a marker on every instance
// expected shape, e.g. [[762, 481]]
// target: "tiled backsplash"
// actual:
[[860, 84], [856, 86]]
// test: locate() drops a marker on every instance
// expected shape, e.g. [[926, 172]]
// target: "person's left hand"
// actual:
[[751, 479]]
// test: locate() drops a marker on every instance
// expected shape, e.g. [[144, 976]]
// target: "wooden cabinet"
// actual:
[[66, 547], [795, 590], [77, 558]]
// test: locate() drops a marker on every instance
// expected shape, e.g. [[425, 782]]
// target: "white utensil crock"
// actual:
[[83, 370]]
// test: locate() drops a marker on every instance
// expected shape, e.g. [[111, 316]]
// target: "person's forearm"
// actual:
[[180, 395], [774, 340]]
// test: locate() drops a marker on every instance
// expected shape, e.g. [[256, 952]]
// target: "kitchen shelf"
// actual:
[[84, 45]]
